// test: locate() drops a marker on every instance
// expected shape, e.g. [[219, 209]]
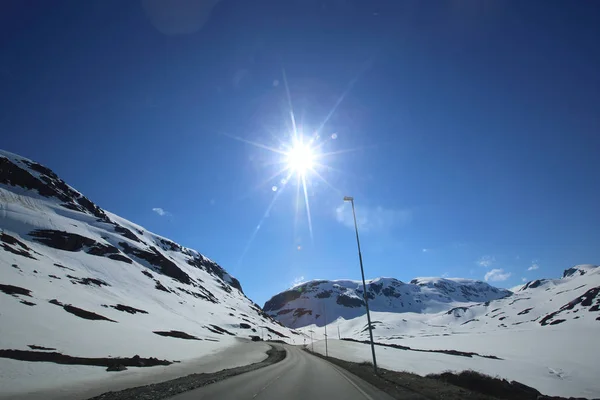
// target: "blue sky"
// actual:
[[467, 131]]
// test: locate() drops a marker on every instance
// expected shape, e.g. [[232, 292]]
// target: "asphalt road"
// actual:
[[299, 376]]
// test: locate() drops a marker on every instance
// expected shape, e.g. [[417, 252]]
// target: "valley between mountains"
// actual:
[[86, 294]]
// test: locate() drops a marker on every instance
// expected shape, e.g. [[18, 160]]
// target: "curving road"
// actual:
[[299, 376]]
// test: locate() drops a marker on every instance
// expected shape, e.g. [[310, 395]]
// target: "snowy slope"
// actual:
[[316, 301], [545, 335], [88, 283]]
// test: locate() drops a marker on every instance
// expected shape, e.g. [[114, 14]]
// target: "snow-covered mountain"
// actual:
[[544, 335], [572, 301], [318, 301], [83, 281]]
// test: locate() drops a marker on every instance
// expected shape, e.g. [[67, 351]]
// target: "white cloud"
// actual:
[[425, 250], [533, 267], [523, 279], [161, 212], [497, 275], [486, 261], [372, 219], [297, 280]]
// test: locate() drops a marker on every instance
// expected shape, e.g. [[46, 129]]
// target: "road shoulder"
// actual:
[[172, 387]]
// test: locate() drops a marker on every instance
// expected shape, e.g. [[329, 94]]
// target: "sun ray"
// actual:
[[289, 98], [314, 171], [333, 153], [297, 203], [307, 208], [344, 94], [260, 222], [264, 182], [330, 168], [257, 144]]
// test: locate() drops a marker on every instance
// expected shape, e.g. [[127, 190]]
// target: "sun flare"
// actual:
[[300, 158]]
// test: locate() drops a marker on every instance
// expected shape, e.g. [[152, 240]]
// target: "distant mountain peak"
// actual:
[[313, 301], [581, 269]]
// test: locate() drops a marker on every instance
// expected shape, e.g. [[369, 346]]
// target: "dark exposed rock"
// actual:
[[27, 303], [573, 271], [35, 347], [298, 312], [126, 233], [376, 287], [157, 259], [324, 294], [18, 251], [87, 281], [557, 321], [80, 312], [6, 238], [177, 334], [63, 267], [218, 330], [389, 291], [48, 185], [370, 295], [279, 300], [15, 290], [72, 242], [348, 301], [54, 276], [58, 358], [206, 295], [160, 286], [9, 241], [120, 257], [584, 300], [469, 354], [226, 288], [116, 367], [148, 274], [534, 284], [41, 169], [457, 311], [127, 309], [92, 208], [244, 326], [214, 269], [169, 245], [525, 311], [275, 332], [13, 175]]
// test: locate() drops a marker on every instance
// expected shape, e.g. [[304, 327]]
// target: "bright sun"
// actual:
[[300, 158]]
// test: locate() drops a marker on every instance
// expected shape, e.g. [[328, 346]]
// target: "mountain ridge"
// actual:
[[88, 283], [304, 303]]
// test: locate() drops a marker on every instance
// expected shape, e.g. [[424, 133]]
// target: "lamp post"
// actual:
[[362, 271], [325, 316]]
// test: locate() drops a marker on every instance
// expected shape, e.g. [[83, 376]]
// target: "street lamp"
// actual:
[[362, 271]]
